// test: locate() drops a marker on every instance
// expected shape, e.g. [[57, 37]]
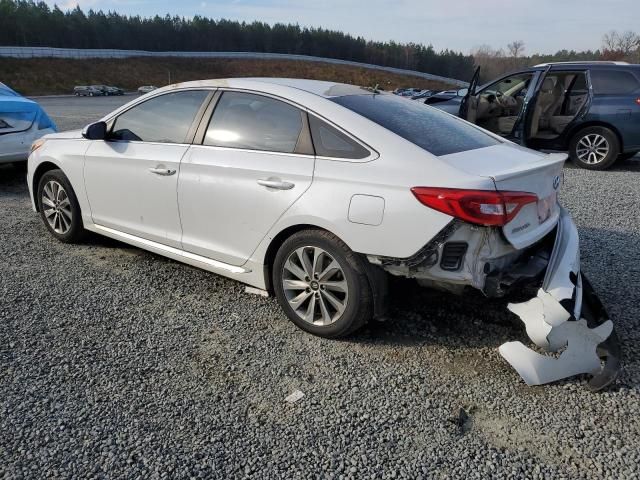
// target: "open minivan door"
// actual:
[[471, 91], [522, 128]]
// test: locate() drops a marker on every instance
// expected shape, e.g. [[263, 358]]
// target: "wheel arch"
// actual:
[[275, 244], [594, 123], [378, 280], [40, 170]]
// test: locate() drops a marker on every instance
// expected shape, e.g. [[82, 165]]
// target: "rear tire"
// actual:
[[321, 284], [594, 148], [59, 207]]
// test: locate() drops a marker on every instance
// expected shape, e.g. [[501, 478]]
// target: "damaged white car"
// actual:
[[316, 191]]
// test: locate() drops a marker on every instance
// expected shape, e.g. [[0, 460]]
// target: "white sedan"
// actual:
[[316, 192]]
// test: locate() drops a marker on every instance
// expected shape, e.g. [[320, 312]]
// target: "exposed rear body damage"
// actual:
[[565, 314]]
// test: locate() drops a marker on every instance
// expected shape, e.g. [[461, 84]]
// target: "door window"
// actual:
[[329, 142], [254, 122], [513, 86], [163, 119]]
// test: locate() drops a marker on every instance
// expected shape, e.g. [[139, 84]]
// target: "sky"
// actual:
[[545, 26]]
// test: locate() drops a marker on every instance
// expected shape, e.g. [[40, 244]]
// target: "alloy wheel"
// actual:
[[315, 285], [592, 148], [56, 207]]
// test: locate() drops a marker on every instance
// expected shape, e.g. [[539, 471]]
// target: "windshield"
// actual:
[[431, 129]]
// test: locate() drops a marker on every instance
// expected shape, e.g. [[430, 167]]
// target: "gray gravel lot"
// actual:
[[116, 363]]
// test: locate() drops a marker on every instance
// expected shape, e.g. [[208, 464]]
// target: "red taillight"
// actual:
[[638, 101], [482, 207]]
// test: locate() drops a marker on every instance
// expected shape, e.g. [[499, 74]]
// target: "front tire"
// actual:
[[594, 148], [322, 285], [59, 207]]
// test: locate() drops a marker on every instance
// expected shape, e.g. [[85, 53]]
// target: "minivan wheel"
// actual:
[[594, 148], [321, 284], [59, 207]]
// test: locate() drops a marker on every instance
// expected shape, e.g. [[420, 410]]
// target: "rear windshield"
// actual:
[[429, 128]]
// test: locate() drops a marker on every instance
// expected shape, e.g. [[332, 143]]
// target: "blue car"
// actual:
[[22, 121], [591, 110]]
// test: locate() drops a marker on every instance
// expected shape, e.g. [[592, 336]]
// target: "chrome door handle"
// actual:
[[162, 171], [276, 183]]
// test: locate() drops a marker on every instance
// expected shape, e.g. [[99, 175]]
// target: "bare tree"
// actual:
[[621, 46], [515, 48]]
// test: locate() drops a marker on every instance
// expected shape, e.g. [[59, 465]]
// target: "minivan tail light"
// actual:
[[638, 101], [481, 207]]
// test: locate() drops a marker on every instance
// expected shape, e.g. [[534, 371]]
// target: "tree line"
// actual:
[[30, 23]]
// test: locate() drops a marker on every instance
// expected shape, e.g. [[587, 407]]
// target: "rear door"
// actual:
[[254, 160]]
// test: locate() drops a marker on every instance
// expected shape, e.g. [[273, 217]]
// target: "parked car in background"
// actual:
[[590, 109], [87, 91], [422, 94], [111, 90], [108, 90], [414, 192], [146, 89], [407, 92], [22, 121]]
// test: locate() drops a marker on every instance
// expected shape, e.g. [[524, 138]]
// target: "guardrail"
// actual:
[[50, 52]]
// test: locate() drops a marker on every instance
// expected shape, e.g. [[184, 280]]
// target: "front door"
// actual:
[[254, 162], [131, 178], [471, 92]]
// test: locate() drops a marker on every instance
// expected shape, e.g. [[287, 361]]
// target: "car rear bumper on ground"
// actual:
[[565, 316]]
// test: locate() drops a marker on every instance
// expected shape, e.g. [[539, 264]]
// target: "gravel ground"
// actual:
[[116, 363]]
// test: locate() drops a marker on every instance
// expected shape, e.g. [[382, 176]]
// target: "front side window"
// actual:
[[163, 119], [429, 128], [613, 82], [254, 122], [329, 142]]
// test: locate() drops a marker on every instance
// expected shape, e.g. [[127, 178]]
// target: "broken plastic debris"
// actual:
[[580, 356], [294, 397], [555, 320]]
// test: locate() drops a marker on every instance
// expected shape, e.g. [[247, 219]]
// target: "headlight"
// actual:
[[36, 145]]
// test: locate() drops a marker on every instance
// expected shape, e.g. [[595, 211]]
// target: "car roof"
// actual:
[[321, 88], [585, 65]]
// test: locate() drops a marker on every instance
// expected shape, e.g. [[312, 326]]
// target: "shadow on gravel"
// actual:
[[13, 178], [419, 316], [629, 165]]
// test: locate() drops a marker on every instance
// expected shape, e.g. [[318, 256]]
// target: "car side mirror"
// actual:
[[95, 131]]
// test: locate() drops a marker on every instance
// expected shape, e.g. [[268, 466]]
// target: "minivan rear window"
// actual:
[[613, 82], [437, 132]]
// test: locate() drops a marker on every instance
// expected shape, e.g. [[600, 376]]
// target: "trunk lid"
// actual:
[[515, 168]]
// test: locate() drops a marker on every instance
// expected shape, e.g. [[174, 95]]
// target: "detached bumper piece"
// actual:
[[567, 319]]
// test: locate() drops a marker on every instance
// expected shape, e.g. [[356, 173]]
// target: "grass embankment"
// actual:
[[42, 76]]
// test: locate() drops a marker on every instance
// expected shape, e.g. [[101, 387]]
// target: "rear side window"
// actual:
[[427, 127], [329, 142], [163, 119], [254, 122], [613, 82]]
